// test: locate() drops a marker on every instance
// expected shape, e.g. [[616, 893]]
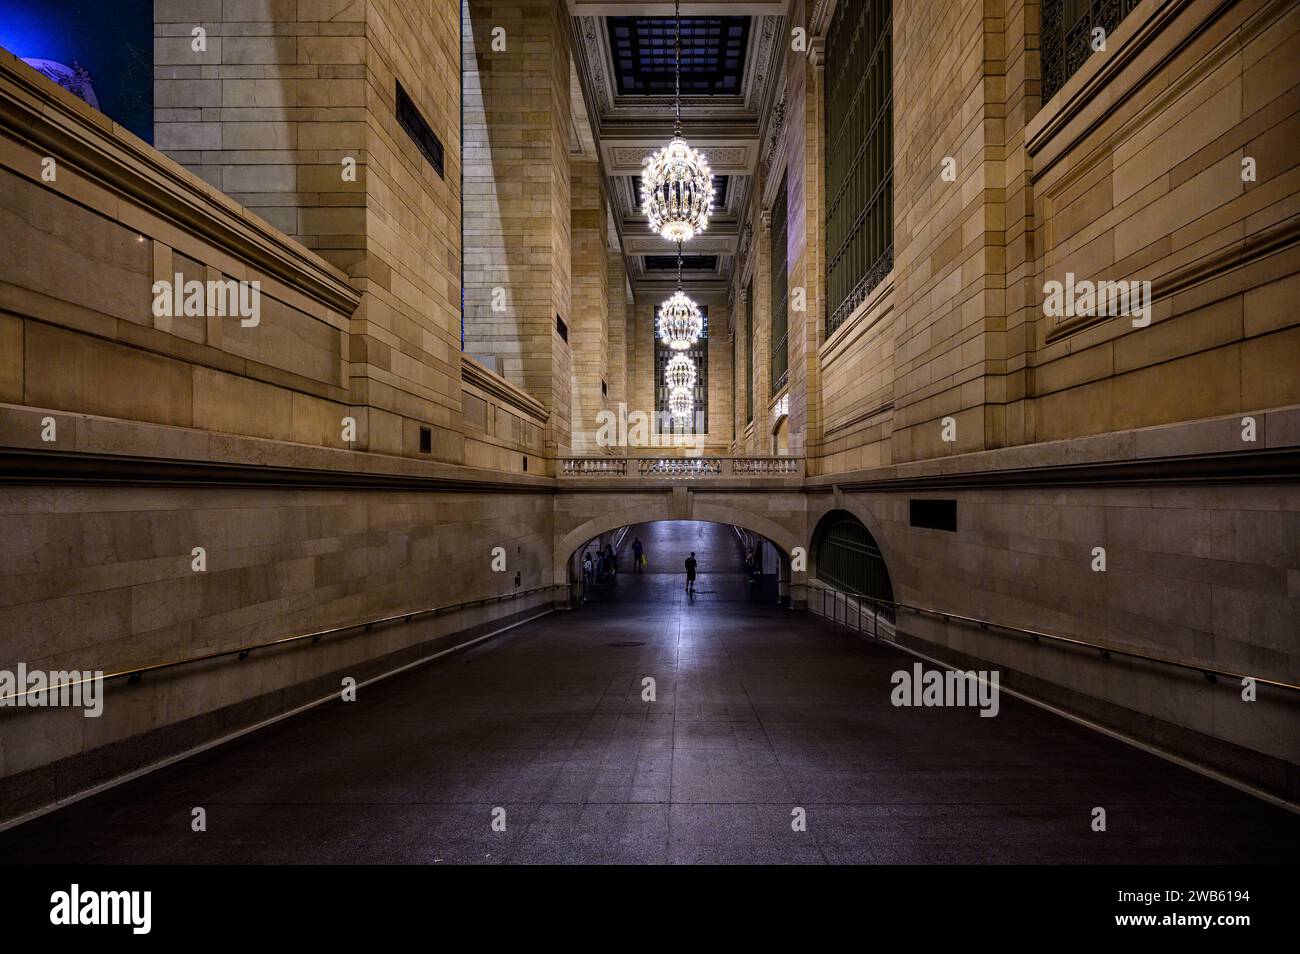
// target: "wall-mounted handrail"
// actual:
[[135, 673], [1212, 673]]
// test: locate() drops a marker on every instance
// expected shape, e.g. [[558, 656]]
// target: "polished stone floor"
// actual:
[[758, 711]]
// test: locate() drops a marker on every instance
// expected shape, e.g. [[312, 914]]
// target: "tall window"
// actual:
[[749, 352], [780, 293], [859, 154], [699, 353], [1067, 33]]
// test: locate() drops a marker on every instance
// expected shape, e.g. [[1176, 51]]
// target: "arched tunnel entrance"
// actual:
[[847, 558], [647, 562]]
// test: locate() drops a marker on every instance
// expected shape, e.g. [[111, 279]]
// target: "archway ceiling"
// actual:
[[728, 45]]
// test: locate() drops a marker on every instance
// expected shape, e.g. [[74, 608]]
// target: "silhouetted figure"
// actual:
[[690, 573], [638, 554]]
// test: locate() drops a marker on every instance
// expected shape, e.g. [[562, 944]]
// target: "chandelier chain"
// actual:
[[677, 67]]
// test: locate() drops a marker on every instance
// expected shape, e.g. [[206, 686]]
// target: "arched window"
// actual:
[[849, 559]]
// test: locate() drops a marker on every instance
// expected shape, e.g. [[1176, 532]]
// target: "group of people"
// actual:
[[600, 567]]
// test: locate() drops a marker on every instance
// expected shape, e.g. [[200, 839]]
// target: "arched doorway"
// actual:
[[847, 557], [646, 560], [781, 437]]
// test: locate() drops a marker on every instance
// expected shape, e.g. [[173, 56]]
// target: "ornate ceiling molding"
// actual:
[[613, 109], [737, 133]]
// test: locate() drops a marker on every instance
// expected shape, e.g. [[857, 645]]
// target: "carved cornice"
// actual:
[[819, 20], [774, 130], [475, 374]]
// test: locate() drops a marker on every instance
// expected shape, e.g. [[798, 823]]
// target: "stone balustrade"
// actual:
[[681, 468]]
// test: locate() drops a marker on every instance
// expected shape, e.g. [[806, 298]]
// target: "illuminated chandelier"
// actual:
[[680, 372], [676, 182], [681, 403], [680, 322]]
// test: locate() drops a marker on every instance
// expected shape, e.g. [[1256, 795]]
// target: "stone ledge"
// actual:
[[50, 118], [96, 449], [1198, 450]]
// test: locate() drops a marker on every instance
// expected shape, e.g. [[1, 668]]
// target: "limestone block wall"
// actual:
[[1117, 178], [948, 263], [291, 110], [1139, 172], [589, 326], [1199, 573], [620, 315], [503, 427], [102, 578], [517, 199], [803, 245], [269, 109], [856, 370], [96, 345], [96, 385], [406, 349]]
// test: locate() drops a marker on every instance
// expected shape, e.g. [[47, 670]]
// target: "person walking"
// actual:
[[690, 573], [638, 554]]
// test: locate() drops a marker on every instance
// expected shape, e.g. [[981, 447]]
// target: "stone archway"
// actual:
[[567, 543], [846, 555]]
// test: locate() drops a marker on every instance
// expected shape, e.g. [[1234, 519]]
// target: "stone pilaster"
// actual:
[[517, 199]]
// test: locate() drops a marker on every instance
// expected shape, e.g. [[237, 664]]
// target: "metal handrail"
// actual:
[[1209, 672], [134, 674]]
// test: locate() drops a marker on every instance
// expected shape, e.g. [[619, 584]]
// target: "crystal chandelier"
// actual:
[[680, 323], [676, 182], [680, 372], [681, 403]]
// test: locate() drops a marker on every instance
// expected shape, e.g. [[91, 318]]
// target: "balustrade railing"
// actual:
[[681, 468], [594, 466], [784, 466]]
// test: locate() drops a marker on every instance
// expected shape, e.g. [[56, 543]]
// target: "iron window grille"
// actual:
[[780, 292], [1066, 37], [859, 154]]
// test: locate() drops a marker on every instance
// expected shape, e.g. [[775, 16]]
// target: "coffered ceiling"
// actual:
[[624, 63]]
